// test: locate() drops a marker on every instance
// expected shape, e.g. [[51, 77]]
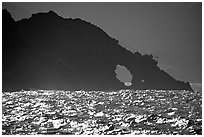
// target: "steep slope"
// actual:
[[47, 51]]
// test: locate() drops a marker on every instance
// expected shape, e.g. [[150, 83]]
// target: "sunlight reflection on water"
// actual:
[[99, 112]]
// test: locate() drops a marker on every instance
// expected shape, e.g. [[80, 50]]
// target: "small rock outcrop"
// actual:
[[47, 51]]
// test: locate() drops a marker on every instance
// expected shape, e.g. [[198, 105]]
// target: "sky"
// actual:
[[171, 31]]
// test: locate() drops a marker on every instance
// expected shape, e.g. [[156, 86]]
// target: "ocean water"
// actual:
[[135, 112]]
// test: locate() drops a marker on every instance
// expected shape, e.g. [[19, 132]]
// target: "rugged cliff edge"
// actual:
[[47, 51]]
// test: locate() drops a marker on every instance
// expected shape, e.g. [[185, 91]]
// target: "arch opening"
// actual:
[[124, 75]]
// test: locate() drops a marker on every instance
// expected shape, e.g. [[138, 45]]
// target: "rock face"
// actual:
[[47, 51]]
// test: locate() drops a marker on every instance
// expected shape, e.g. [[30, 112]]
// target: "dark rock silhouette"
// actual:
[[47, 51]]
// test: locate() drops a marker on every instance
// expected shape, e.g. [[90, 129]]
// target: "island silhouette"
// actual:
[[47, 51]]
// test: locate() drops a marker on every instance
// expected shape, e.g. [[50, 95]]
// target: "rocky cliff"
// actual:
[[47, 51]]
